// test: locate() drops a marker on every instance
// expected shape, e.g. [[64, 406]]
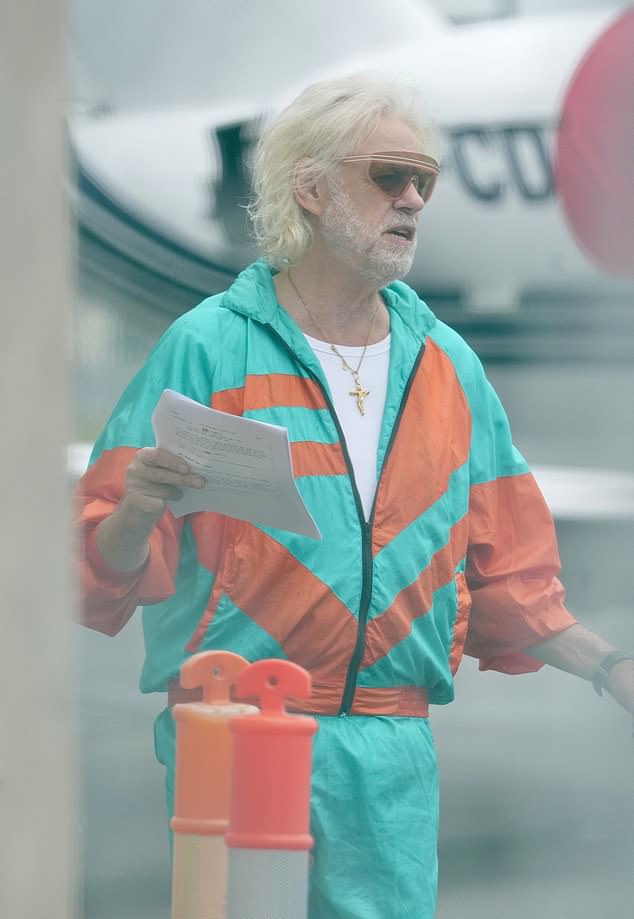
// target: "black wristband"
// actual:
[[603, 670]]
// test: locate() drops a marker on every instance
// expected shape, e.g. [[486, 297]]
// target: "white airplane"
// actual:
[[536, 190]]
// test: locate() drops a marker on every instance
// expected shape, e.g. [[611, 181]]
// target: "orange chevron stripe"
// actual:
[[433, 441], [286, 599], [312, 458], [269, 390], [394, 624]]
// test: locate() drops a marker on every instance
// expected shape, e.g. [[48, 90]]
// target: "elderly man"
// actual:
[[436, 540]]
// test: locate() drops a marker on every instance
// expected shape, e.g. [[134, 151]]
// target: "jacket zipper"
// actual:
[[366, 590], [350, 684]]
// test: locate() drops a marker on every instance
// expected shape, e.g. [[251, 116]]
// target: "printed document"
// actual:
[[246, 464]]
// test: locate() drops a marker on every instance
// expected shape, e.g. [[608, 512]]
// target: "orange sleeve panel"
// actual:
[[108, 598], [512, 568]]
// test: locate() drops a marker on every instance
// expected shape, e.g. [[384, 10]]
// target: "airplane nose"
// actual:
[[594, 158]]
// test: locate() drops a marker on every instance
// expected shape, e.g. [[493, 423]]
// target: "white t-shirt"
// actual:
[[361, 431]]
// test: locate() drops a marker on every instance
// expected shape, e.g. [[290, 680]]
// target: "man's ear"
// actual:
[[308, 192]]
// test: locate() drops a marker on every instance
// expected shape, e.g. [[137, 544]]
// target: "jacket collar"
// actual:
[[253, 295]]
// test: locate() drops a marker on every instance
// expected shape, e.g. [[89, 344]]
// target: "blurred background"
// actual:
[[526, 249]]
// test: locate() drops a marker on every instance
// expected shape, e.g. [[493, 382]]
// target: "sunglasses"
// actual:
[[393, 172]]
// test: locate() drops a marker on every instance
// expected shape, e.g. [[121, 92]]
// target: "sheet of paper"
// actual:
[[246, 464]]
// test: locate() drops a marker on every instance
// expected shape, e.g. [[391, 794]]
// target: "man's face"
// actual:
[[373, 234]]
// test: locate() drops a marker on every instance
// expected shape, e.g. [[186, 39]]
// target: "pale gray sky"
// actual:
[[197, 50], [152, 52]]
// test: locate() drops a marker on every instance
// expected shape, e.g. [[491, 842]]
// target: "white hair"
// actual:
[[325, 122]]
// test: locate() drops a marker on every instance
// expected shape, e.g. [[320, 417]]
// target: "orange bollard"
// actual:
[[269, 837], [203, 776]]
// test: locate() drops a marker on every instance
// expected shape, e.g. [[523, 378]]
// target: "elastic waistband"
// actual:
[[405, 701]]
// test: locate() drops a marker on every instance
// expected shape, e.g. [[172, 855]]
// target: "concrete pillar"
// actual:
[[37, 771]]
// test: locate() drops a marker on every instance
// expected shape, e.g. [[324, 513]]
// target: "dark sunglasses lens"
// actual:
[[426, 184], [393, 180]]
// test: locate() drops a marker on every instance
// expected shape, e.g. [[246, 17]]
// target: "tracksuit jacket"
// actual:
[[459, 555]]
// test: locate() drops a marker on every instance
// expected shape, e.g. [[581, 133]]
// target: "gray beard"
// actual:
[[376, 260]]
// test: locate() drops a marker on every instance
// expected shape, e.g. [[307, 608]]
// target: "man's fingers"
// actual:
[[154, 477], [157, 456], [154, 464]]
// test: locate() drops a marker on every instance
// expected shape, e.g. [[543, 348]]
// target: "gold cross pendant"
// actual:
[[360, 393]]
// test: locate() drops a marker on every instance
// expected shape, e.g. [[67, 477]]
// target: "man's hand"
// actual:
[[154, 477]]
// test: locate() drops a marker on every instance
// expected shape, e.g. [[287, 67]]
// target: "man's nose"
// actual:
[[411, 199]]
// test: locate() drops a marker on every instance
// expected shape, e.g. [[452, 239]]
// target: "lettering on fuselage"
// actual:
[[491, 163]]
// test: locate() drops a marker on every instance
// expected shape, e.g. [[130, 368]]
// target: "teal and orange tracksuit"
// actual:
[[459, 554]]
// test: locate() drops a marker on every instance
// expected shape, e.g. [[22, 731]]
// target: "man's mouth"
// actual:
[[403, 232]]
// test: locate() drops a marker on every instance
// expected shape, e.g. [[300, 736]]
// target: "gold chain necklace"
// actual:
[[358, 392]]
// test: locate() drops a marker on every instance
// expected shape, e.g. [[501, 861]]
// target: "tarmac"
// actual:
[[537, 791]]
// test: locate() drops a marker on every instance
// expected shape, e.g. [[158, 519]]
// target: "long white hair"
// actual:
[[324, 123]]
